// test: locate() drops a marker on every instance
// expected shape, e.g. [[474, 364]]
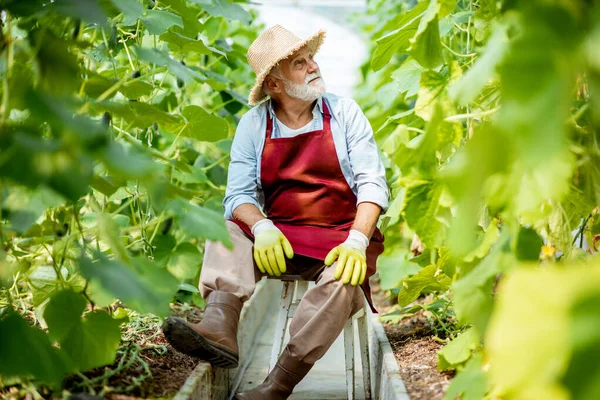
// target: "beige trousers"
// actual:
[[323, 311]]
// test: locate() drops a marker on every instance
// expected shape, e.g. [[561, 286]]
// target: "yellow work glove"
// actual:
[[270, 244], [351, 259]]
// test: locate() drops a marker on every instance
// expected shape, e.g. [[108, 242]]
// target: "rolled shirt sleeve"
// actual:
[[367, 167], [241, 178]]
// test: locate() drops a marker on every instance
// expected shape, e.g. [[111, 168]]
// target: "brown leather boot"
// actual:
[[214, 339], [280, 383]]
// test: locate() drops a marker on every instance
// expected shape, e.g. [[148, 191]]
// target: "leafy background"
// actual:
[[487, 115], [116, 124], [115, 127]]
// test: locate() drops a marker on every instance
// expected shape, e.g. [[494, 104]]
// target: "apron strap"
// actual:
[[326, 120]]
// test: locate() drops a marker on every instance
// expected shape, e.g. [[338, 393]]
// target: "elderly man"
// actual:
[[309, 161]]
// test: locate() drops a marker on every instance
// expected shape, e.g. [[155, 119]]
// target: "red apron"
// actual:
[[308, 197]]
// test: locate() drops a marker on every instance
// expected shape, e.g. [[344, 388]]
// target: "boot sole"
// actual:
[[185, 340]]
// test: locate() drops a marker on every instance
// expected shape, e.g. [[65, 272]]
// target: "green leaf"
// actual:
[[458, 350], [129, 162], [203, 126], [446, 7], [397, 40], [108, 232], [134, 89], [583, 374], [161, 59], [163, 247], [420, 209], [105, 185], [63, 313], [425, 45], [200, 222], [159, 279], [131, 9], [89, 342], [25, 207], [88, 10], [394, 268], [528, 245], [22, 8], [185, 261], [473, 293], [43, 282], [21, 343], [140, 288], [180, 43], [432, 88], [408, 77], [427, 280], [535, 315], [491, 235], [472, 82], [392, 215], [471, 383], [188, 288], [158, 22], [224, 8]]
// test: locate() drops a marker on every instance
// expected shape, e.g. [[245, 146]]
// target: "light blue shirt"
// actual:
[[354, 144]]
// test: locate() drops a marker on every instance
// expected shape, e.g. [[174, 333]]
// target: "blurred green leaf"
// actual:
[[88, 10], [188, 288], [528, 245], [91, 341], [473, 292], [22, 8], [136, 88], [583, 373], [20, 343], [131, 9], [26, 206], [200, 222], [185, 261], [472, 82], [129, 162], [425, 45], [161, 59], [158, 21], [200, 125], [224, 8], [108, 232], [43, 282], [535, 316], [180, 43], [138, 288], [58, 69]]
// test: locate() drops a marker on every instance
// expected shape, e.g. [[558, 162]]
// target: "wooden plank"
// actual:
[[363, 337], [282, 318], [349, 358]]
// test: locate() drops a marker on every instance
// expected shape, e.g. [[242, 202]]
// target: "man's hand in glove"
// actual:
[[269, 247], [351, 259]]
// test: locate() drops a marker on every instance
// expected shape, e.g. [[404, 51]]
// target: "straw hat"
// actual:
[[272, 46]]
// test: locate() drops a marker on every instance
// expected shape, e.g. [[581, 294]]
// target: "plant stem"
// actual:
[[9, 65]]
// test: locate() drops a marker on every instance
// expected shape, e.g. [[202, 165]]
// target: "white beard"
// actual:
[[306, 91]]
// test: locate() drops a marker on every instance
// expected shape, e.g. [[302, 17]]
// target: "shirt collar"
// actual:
[[272, 112]]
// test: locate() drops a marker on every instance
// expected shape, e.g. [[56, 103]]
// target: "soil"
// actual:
[[169, 369], [415, 349]]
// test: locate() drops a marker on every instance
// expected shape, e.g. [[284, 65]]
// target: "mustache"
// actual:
[[312, 76]]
